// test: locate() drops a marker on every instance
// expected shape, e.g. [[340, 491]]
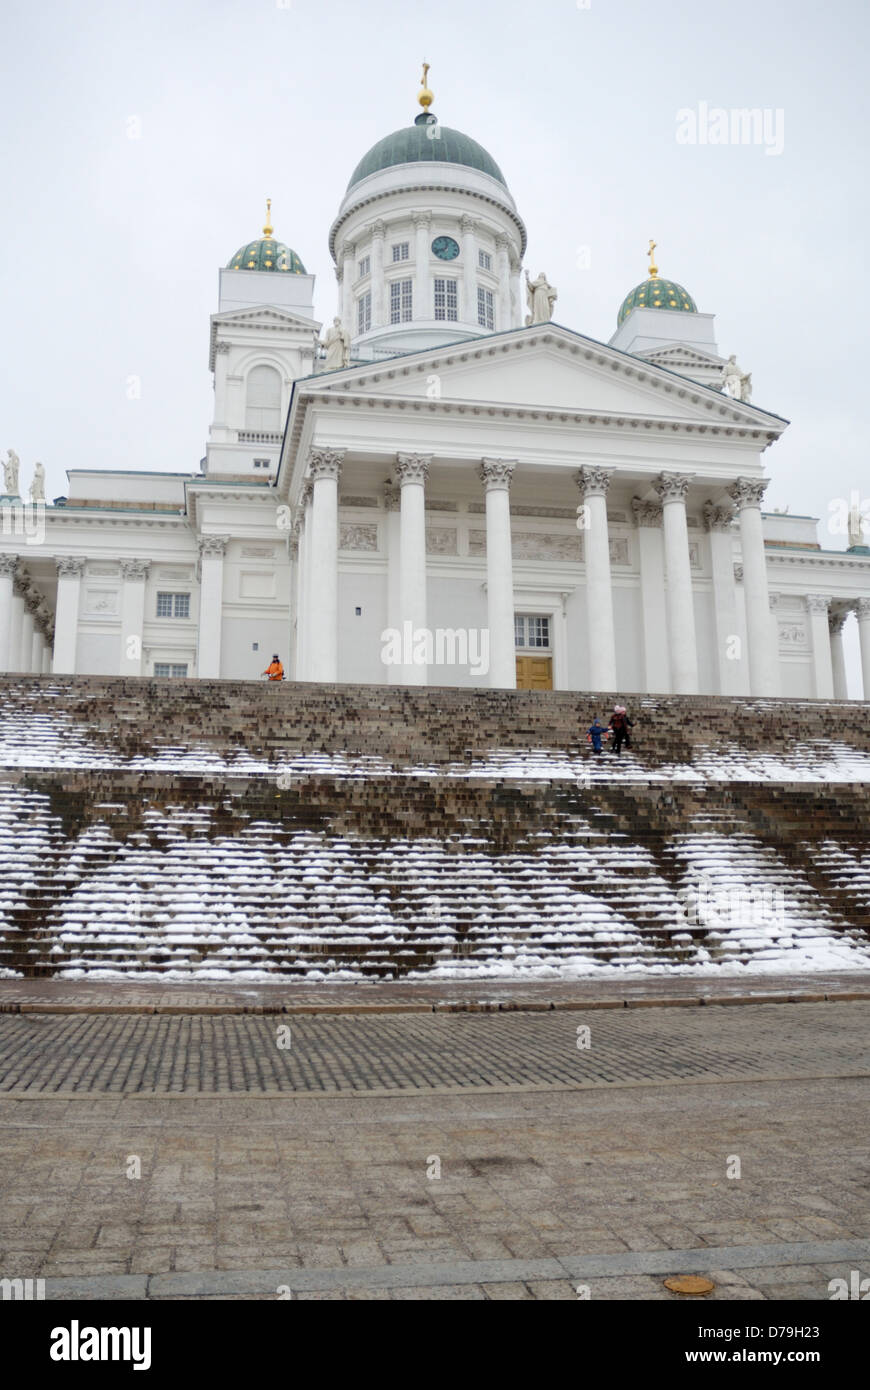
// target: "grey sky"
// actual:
[[111, 245]]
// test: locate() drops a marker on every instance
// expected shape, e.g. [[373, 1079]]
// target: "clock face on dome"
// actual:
[[445, 248]]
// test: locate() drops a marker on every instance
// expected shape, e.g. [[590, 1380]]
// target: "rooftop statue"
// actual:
[[541, 296], [10, 474], [337, 344], [735, 382], [37, 487]]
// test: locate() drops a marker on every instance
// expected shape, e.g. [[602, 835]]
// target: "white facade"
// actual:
[[468, 499]]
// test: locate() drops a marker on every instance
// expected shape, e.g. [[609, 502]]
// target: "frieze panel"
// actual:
[[357, 537], [441, 540]]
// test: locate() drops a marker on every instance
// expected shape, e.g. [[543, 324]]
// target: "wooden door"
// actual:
[[534, 673]]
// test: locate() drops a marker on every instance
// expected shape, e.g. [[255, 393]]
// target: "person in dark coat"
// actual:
[[619, 727], [596, 732]]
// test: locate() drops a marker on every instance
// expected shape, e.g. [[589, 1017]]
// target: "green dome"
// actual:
[[413, 145], [266, 254], [657, 294]]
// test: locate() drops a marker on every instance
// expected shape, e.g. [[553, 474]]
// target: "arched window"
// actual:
[[263, 406]]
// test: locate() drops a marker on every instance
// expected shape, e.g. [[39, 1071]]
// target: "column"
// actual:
[[862, 609], [302, 524], [817, 608], [469, 270], [321, 643], [496, 475], [292, 663], [348, 275], [16, 620], [502, 257], [134, 574], [763, 656], [516, 295], [593, 484], [424, 307], [719, 522], [379, 317], [672, 488], [654, 616], [47, 654], [37, 650], [8, 566], [211, 605], [836, 621], [70, 569], [392, 502], [412, 471], [28, 627]]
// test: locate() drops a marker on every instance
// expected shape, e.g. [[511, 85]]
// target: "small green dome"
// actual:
[[417, 144], [657, 294], [266, 254]]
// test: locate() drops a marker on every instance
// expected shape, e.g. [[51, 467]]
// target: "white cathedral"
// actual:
[[450, 489]]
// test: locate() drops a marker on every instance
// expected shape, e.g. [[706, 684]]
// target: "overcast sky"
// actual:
[[111, 244]]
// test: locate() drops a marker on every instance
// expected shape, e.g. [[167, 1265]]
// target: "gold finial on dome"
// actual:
[[653, 268], [425, 97], [268, 229]]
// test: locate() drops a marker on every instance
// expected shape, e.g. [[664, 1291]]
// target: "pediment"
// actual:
[[550, 369], [683, 353], [260, 316]]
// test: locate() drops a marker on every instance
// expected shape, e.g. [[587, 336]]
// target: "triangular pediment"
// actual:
[[676, 354], [264, 315], [545, 368]]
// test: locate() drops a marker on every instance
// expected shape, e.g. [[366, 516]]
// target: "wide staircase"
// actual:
[[218, 829]]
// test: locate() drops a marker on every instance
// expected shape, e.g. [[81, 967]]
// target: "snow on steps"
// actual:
[[220, 829]]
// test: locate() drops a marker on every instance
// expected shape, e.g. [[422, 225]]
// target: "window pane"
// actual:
[[446, 299], [164, 605], [519, 630], [364, 312], [182, 605], [179, 671], [400, 251], [161, 668], [485, 308]]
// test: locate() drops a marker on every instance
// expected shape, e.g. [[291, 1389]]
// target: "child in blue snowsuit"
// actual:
[[596, 733]]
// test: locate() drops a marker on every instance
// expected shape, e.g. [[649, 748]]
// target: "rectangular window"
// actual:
[[173, 605], [484, 260], [446, 300], [532, 631], [170, 668], [262, 463], [485, 308], [364, 312], [365, 266], [401, 251], [401, 301]]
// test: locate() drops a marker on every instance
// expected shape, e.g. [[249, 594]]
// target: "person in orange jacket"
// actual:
[[275, 671]]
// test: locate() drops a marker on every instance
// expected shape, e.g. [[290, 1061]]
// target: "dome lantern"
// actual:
[[655, 293], [266, 253]]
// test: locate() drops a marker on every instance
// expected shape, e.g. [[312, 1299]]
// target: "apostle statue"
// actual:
[[337, 344], [10, 474], [735, 382], [856, 527], [37, 487], [541, 296]]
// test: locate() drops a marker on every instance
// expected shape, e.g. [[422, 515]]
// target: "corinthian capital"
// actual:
[[646, 513], [213, 545], [325, 463], [748, 492], [593, 481], [135, 569], [837, 620], [412, 468], [422, 220], [8, 564], [497, 473], [818, 603], [70, 566], [718, 518], [862, 608], [672, 487]]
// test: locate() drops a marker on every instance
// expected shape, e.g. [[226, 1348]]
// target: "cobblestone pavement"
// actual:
[[386, 996], [248, 1053], [543, 1189]]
